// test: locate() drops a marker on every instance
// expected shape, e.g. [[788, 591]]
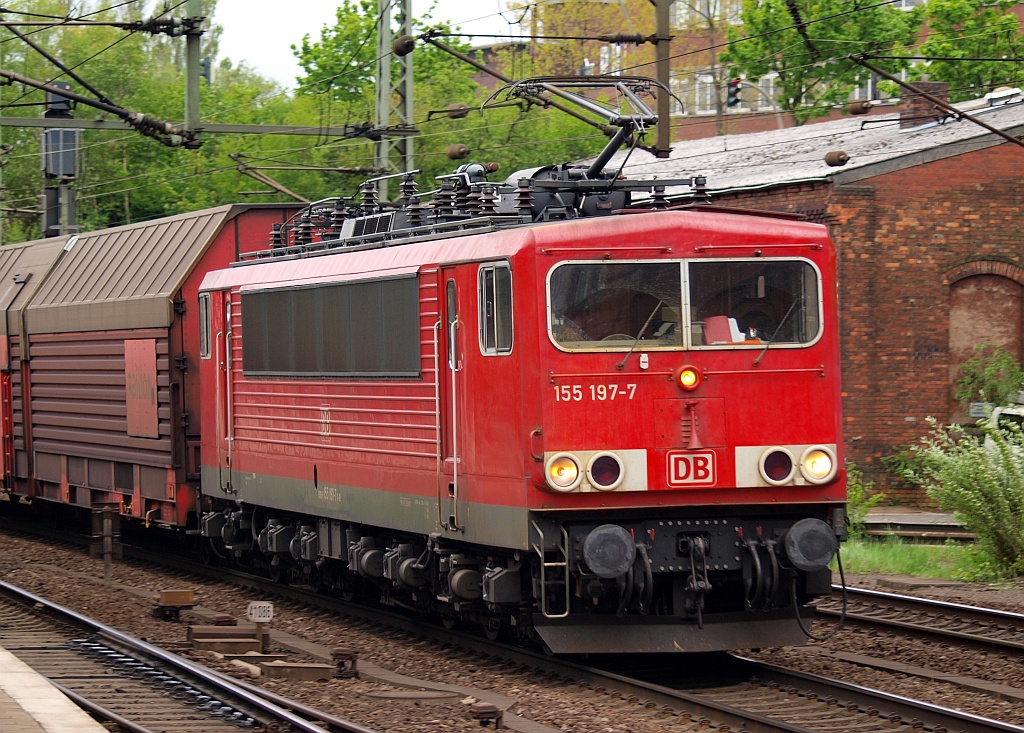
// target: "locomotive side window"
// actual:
[[753, 302], [495, 309], [358, 329], [616, 305], [204, 326]]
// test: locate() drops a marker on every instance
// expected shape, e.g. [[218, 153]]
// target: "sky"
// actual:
[[261, 32]]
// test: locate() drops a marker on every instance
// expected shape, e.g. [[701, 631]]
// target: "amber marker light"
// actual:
[[688, 377], [818, 464], [563, 472]]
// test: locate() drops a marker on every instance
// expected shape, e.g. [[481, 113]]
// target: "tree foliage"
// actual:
[[806, 44], [965, 30], [122, 175]]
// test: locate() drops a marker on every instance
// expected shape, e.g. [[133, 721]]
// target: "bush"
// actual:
[[904, 464], [860, 497], [980, 479], [993, 375]]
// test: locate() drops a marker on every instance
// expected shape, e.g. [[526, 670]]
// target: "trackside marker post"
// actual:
[[260, 613]]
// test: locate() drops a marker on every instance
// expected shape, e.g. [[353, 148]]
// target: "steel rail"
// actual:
[[907, 708], [298, 722], [961, 609]]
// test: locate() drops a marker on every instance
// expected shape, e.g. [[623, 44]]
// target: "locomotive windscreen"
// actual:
[[609, 305]]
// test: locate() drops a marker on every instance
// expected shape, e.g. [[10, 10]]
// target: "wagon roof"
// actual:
[[124, 277], [23, 268]]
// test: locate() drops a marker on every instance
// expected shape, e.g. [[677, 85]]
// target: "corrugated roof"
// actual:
[[124, 277], [875, 145], [23, 269]]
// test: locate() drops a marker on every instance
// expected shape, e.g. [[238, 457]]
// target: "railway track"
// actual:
[[745, 694], [980, 628], [741, 693], [135, 685]]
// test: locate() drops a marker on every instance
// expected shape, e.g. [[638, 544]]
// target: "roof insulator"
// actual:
[[836, 158]]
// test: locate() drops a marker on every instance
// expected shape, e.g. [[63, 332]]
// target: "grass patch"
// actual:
[[893, 556]]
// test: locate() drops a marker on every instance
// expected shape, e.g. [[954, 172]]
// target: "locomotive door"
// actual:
[[223, 396], [449, 400]]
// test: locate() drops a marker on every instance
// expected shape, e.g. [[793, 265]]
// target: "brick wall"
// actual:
[[902, 237]]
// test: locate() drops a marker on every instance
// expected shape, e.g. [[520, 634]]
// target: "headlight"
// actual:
[[818, 464], [604, 471], [563, 472], [777, 466]]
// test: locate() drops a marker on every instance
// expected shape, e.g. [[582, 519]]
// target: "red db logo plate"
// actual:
[[692, 469]]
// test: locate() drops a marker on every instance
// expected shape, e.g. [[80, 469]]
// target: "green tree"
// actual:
[[124, 176], [805, 45], [966, 29]]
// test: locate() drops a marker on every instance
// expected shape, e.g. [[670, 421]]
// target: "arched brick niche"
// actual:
[[986, 305]]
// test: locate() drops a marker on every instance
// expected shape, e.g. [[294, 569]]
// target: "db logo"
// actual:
[[691, 469]]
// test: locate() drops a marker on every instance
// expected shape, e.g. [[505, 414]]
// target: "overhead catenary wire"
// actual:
[[328, 144]]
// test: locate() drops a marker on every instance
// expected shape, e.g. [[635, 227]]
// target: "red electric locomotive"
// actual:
[[533, 407]]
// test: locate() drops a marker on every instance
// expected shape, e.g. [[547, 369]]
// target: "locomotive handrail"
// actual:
[[439, 419], [552, 376], [453, 363], [758, 247], [544, 564], [559, 250], [723, 372]]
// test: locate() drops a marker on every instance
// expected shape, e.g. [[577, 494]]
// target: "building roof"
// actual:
[[875, 145]]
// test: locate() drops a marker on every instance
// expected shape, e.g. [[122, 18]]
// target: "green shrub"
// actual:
[[993, 375], [980, 479], [904, 464], [860, 497]]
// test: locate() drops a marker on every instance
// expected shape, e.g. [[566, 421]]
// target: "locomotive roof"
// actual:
[[124, 277], [586, 236]]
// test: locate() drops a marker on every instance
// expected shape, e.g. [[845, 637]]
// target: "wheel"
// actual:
[[617, 337], [279, 573], [494, 629]]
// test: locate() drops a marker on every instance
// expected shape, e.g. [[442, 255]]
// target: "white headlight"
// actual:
[[818, 464], [563, 473]]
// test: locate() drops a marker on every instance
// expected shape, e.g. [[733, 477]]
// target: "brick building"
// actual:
[[927, 217]]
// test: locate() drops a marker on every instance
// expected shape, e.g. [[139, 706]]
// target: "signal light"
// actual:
[[732, 97], [605, 471], [777, 466], [688, 377]]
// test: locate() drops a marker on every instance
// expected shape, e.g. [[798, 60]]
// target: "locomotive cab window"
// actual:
[[495, 309], [615, 305], [754, 302], [204, 326]]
